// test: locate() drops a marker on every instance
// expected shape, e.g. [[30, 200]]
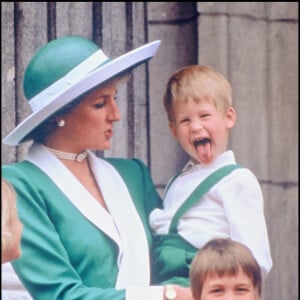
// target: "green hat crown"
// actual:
[[55, 60]]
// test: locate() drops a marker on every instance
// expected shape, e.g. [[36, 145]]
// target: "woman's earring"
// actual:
[[61, 123]]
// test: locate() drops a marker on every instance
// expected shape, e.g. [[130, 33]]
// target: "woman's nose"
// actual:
[[114, 113]]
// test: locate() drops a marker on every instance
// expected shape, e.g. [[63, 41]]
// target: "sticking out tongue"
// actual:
[[203, 148]]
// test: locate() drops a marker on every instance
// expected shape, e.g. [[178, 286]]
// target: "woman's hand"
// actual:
[[183, 293]]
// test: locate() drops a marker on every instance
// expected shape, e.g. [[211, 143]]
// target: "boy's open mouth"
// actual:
[[203, 147], [201, 142]]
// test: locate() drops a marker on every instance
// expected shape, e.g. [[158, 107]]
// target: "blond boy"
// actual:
[[11, 227], [198, 102], [11, 230]]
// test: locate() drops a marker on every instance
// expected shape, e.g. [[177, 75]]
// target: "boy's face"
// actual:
[[201, 129], [229, 287]]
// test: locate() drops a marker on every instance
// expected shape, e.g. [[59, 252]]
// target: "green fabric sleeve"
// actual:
[[139, 175]]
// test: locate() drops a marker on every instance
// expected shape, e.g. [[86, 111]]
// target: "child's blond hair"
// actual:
[[199, 83], [223, 257], [8, 213]]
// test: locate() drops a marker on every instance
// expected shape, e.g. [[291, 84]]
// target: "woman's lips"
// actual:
[[109, 133]]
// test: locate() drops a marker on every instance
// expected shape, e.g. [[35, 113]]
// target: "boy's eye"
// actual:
[[242, 290], [216, 291], [204, 115], [184, 120]]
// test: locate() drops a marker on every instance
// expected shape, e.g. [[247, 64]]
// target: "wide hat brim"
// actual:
[[55, 101]]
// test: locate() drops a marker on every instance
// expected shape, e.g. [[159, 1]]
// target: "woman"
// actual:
[[86, 233]]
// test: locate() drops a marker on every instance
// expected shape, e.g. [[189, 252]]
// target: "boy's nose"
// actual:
[[230, 296], [196, 126]]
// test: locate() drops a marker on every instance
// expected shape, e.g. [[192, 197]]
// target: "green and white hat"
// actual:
[[64, 69]]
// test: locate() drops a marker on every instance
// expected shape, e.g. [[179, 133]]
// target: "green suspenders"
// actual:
[[199, 191]]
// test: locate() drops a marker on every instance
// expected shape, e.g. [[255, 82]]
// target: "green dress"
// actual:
[[64, 255]]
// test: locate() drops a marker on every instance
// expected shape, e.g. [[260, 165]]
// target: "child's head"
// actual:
[[198, 101], [11, 226], [200, 84], [224, 267]]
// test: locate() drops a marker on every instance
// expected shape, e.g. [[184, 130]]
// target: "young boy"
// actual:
[[11, 230], [225, 269], [11, 226], [198, 101]]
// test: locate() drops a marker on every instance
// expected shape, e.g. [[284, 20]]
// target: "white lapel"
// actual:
[[73, 189], [133, 238], [123, 224]]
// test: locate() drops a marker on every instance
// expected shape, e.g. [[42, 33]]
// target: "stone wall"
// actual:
[[254, 44]]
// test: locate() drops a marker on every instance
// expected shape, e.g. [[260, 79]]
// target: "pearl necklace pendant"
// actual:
[[69, 156]]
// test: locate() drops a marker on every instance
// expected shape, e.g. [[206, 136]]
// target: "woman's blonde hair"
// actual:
[[223, 257], [8, 214], [199, 83]]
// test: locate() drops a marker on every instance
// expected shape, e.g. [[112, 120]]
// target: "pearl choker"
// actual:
[[69, 156]]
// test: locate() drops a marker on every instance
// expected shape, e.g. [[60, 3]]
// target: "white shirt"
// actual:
[[11, 286], [233, 208]]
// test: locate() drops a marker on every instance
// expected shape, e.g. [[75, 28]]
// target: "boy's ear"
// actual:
[[173, 130], [230, 117]]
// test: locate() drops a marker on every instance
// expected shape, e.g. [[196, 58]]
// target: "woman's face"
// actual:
[[90, 124]]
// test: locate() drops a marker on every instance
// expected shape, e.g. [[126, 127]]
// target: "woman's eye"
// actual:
[[103, 101], [100, 104]]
